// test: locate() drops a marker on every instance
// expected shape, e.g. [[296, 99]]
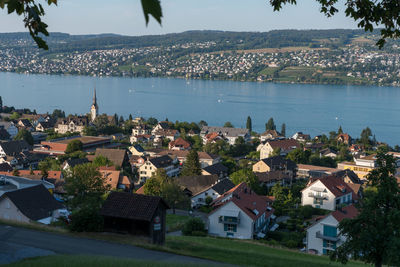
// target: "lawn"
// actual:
[[89, 261], [176, 222], [269, 71], [247, 253]]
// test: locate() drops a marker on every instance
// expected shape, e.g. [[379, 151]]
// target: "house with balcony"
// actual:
[[324, 235], [327, 193], [240, 213]]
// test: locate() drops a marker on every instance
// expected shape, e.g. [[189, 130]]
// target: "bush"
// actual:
[[86, 220], [199, 233], [291, 243], [193, 226]]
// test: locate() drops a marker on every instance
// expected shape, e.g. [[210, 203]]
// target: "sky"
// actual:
[[126, 17]]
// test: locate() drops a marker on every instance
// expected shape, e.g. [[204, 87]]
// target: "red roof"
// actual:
[[335, 185], [211, 136], [179, 142], [349, 212], [140, 190]]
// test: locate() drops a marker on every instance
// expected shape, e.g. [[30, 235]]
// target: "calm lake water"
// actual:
[[313, 109]]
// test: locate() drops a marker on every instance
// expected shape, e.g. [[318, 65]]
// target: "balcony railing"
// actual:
[[317, 196], [325, 237], [224, 220]]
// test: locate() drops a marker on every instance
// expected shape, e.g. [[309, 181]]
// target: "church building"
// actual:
[[94, 109]]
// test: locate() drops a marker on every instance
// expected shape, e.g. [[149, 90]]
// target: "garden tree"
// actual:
[[340, 131], [230, 163], [196, 141], [90, 131], [192, 165], [218, 148], [278, 192], [15, 116], [152, 121], [344, 154], [1, 104], [228, 124], [283, 129], [130, 117], [249, 124], [24, 134], [49, 164], [85, 192], [396, 148], [246, 176], [374, 236], [115, 119], [15, 172], [31, 170], [322, 161], [270, 125], [102, 161], [174, 196], [332, 136], [323, 139], [74, 145], [58, 113], [202, 123], [153, 185], [299, 156], [365, 136], [121, 121], [276, 152], [101, 121]]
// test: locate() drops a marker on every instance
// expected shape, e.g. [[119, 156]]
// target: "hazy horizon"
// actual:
[[126, 17]]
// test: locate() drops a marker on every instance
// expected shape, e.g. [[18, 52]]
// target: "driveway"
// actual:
[[18, 243]]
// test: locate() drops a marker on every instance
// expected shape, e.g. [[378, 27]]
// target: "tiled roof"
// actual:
[[198, 183], [335, 185], [34, 202], [223, 186], [217, 168], [179, 142], [285, 144], [111, 176], [349, 212], [279, 162], [117, 156], [225, 131], [184, 153], [265, 177], [161, 162], [131, 206], [15, 147]]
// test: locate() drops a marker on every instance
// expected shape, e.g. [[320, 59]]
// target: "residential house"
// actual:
[[119, 157], [71, 124], [141, 129], [327, 152], [10, 183], [284, 146], [240, 213], [144, 138], [270, 135], [169, 134], [13, 148], [324, 235], [162, 125], [43, 126], [313, 171], [205, 159], [344, 138], [276, 163], [136, 150], [10, 128], [25, 124], [212, 138], [58, 146], [151, 165], [269, 179], [327, 193], [230, 134], [361, 165], [135, 214], [179, 144], [31, 204], [114, 178], [71, 163], [299, 136], [6, 167], [199, 187], [218, 169], [4, 135]]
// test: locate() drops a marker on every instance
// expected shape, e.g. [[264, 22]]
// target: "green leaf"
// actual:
[[152, 7]]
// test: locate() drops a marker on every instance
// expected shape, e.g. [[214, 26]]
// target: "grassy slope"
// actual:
[[248, 253], [176, 222], [89, 261]]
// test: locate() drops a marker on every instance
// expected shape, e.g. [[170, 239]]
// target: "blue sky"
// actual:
[[126, 17]]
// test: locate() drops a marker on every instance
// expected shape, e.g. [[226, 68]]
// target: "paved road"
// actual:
[[18, 243]]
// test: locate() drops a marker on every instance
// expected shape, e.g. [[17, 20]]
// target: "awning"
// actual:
[[274, 227]]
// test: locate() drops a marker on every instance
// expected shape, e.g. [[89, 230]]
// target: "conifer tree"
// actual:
[[192, 164], [249, 124]]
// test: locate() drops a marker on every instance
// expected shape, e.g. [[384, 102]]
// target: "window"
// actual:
[[330, 231], [230, 228]]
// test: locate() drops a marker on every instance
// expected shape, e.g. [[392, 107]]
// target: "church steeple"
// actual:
[[94, 109]]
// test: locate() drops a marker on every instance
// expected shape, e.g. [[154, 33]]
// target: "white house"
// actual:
[[230, 134], [327, 193], [199, 187], [10, 128], [324, 236], [30, 204], [284, 145], [240, 213]]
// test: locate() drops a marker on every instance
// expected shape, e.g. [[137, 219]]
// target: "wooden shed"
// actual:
[[135, 214]]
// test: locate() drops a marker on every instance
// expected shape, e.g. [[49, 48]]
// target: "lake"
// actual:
[[312, 109]]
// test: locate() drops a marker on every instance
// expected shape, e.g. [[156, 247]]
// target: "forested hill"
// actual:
[[62, 42]]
